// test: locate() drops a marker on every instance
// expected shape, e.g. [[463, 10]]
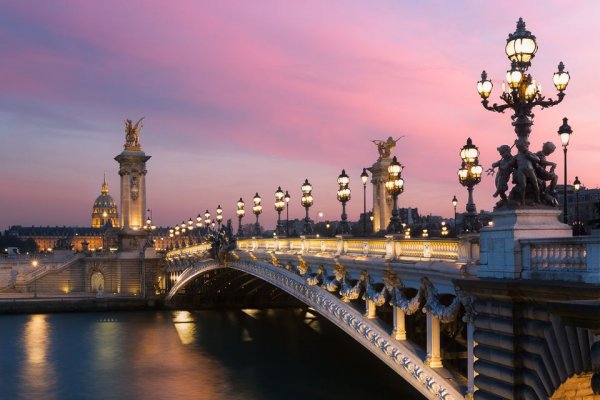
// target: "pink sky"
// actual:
[[242, 97]]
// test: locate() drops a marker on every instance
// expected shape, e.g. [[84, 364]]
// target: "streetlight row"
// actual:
[[281, 202]]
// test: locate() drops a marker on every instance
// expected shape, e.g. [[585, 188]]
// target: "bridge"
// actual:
[[427, 308]]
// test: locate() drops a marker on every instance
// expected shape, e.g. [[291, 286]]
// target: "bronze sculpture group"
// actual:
[[534, 184]]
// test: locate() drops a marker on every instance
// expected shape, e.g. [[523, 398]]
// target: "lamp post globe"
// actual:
[[279, 206], [454, 204], [307, 202], [469, 175], [364, 177], [395, 186], [219, 216], [287, 213], [343, 196], [207, 219], [564, 133], [240, 212], [257, 210], [34, 264], [577, 225]]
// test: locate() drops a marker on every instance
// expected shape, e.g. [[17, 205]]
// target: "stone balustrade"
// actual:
[[392, 248], [566, 259]]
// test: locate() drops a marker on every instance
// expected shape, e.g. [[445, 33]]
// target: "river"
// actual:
[[241, 354]]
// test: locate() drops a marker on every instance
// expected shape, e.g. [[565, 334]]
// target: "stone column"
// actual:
[[434, 358], [132, 169], [382, 202], [371, 309], [399, 332]]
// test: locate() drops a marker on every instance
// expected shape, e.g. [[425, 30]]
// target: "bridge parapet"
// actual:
[[566, 259], [189, 251], [464, 250]]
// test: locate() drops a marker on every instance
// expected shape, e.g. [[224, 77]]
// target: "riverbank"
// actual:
[[75, 304]]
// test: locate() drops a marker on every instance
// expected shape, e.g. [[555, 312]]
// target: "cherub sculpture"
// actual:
[[524, 174], [505, 167], [547, 175]]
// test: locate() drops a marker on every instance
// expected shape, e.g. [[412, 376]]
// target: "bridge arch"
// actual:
[[399, 356]]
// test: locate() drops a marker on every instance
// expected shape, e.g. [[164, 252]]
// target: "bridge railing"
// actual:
[[462, 251], [570, 259], [188, 251]]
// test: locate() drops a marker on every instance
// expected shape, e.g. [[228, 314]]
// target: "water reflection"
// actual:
[[185, 326], [37, 377], [220, 355], [179, 372]]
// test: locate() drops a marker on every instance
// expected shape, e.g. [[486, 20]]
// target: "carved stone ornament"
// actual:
[[134, 187]]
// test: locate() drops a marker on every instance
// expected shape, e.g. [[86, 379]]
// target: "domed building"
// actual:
[[105, 209]]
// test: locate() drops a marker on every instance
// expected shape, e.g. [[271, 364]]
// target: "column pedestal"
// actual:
[[500, 251]]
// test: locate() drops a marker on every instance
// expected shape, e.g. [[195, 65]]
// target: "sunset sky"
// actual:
[[243, 96]]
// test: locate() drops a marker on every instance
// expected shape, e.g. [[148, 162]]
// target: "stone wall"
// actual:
[[121, 276], [523, 350]]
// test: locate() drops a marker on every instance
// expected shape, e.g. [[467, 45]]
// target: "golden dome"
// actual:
[[105, 209]]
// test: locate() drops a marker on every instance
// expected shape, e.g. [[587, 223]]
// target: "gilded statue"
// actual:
[[385, 147], [132, 134]]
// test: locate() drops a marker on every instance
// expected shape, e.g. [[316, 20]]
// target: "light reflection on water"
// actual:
[[37, 372], [258, 354]]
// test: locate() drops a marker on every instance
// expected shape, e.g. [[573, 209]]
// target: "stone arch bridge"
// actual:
[[400, 298]]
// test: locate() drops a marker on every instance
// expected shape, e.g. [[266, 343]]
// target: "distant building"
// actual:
[[589, 200], [49, 238], [103, 234], [105, 209]]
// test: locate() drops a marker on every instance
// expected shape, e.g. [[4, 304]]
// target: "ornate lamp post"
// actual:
[[364, 177], [219, 216], [183, 230], [149, 227], [190, 228], [343, 195], [287, 213], [454, 203], [395, 186], [207, 220], [444, 229], [279, 206], [469, 175], [34, 264], [199, 222], [522, 96], [576, 187], [307, 202], [240, 214], [564, 132], [257, 210]]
